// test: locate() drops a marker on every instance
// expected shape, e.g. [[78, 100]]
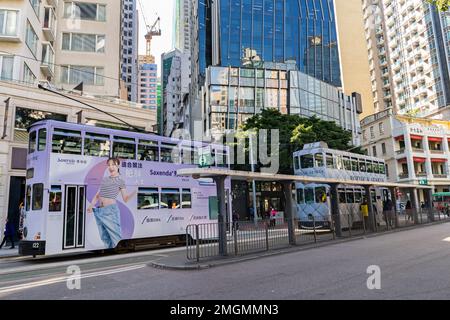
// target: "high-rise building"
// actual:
[[353, 52], [148, 83], [175, 88], [408, 55], [182, 27], [129, 63], [62, 42]]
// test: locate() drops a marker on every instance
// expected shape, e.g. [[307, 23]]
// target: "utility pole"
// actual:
[[255, 213]]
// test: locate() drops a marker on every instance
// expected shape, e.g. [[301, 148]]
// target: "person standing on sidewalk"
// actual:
[[8, 234]]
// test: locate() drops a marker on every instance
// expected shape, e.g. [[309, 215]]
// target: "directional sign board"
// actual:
[[423, 182], [204, 157]]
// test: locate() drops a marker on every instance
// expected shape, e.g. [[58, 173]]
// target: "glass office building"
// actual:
[[236, 32]]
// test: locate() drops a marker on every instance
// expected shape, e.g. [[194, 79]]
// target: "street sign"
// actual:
[[423, 182], [204, 157]]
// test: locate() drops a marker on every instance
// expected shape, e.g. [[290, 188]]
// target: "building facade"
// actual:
[[182, 25], [129, 50], [408, 55], [174, 89], [148, 76], [24, 105], [63, 43], [232, 95], [416, 150]]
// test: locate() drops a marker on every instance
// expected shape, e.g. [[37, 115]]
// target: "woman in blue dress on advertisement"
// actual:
[[107, 215]]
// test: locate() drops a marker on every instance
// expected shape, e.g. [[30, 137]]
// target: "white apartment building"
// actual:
[[62, 42], [416, 150], [408, 54], [176, 79], [148, 79]]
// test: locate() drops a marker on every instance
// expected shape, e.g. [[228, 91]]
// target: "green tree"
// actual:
[[296, 131], [442, 5]]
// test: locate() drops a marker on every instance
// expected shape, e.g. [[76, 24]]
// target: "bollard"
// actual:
[[314, 228]]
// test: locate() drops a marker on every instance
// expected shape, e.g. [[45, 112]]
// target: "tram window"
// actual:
[[32, 142], [42, 139], [354, 164], [300, 196], [38, 194], [221, 160], [339, 163], [148, 151], [362, 165], [369, 167], [374, 196], [319, 160], [170, 199], [169, 153], [97, 145], [347, 163], [186, 199], [382, 168], [358, 196], [342, 198], [66, 142], [307, 161], [296, 164], [350, 196], [28, 198], [148, 198], [124, 150], [376, 167], [330, 163], [309, 195], [321, 195], [189, 155], [54, 200]]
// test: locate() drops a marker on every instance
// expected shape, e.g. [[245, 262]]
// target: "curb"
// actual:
[[234, 259]]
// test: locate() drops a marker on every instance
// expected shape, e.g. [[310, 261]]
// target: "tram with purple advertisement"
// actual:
[[91, 188]]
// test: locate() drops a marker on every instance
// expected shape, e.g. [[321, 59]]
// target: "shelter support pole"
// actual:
[[289, 210], [429, 204], [222, 218], [395, 207], [335, 213], [415, 205], [372, 223]]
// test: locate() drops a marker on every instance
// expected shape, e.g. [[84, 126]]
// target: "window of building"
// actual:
[[372, 133], [381, 127], [383, 148], [7, 65], [83, 42], [78, 74], [8, 22], [374, 151], [28, 75], [36, 5], [31, 39], [85, 11]]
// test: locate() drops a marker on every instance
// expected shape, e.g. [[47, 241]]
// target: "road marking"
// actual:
[[446, 239], [47, 282]]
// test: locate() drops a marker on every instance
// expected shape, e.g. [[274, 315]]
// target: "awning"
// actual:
[[420, 160], [403, 138], [438, 160], [441, 194], [435, 139], [403, 160], [416, 137]]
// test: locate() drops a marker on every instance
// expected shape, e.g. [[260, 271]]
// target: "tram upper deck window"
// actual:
[[300, 196], [124, 148], [97, 145], [42, 139], [169, 153], [309, 195], [296, 163], [221, 159], [342, 196], [321, 195], [66, 141], [148, 150], [382, 168], [32, 142], [148, 198], [354, 164], [318, 157], [330, 161], [376, 167], [369, 167], [358, 196], [307, 161], [347, 163], [362, 165]]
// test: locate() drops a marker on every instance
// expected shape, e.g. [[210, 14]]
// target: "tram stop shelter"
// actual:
[[219, 176]]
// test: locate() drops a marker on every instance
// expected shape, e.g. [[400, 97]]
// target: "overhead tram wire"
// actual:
[[40, 86]]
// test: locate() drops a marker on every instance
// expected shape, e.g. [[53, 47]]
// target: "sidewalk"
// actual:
[[6, 252]]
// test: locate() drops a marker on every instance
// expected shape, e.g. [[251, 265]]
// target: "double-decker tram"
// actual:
[[313, 200], [90, 188]]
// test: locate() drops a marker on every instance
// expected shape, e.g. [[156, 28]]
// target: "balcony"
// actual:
[[399, 152], [439, 176], [49, 24], [421, 174], [403, 175], [48, 60], [420, 150]]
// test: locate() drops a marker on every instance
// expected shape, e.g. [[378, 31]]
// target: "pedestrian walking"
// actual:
[[8, 234]]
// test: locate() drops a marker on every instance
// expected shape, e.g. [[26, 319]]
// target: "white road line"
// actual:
[[446, 239], [35, 284]]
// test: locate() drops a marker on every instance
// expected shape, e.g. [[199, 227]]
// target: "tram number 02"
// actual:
[[35, 245]]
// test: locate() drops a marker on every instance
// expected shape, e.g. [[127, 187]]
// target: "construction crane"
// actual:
[[152, 31]]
